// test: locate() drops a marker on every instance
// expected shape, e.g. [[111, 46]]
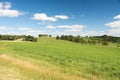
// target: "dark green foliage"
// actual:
[[105, 43], [30, 38], [15, 37], [70, 38], [44, 35], [92, 40], [10, 37], [76, 39], [50, 35], [107, 38], [57, 37]]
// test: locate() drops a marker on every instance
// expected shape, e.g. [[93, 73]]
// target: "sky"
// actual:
[[60, 17]]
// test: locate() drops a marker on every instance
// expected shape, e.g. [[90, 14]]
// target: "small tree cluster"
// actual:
[[30, 38], [71, 38], [85, 40], [105, 43], [107, 38], [10, 37], [44, 35], [15, 37]]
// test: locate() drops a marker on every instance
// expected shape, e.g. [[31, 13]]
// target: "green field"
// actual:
[[51, 59]]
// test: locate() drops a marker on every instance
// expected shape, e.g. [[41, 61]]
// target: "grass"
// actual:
[[50, 59]]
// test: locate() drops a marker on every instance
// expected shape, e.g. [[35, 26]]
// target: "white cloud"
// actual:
[[29, 31], [24, 29], [1, 5], [43, 17], [117, 17], [61, 17], [7, 5], [72, 28], [5, 10], [51, 27], [10, 13], [21, 31], [68, 28], [114, 31], [113, 24], [3, 28], [35, 31]]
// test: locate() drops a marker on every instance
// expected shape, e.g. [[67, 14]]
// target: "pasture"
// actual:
[[51, 59]]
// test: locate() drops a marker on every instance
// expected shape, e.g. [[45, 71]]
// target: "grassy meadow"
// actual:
[[51, 59]]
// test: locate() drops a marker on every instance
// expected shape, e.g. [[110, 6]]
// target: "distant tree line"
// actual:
[[30, 38], [108, 38], [15, 37], [104, 40], [44, 35]]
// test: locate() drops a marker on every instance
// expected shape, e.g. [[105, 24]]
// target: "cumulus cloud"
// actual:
[[45, 17], [61, 17], [69, 28], [117, 17], [3, 28], [24, 29], [113, 24], [1, 5], [72, 28], [7, 5], [115, 31], [5, 10], [51, 27]]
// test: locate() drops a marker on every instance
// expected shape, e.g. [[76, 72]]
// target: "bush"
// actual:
[[105, 43], [57, 37], [30, 38]]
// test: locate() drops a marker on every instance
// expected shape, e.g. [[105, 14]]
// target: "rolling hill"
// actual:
[[51, 59]]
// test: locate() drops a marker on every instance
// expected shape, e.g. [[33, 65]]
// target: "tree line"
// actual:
[[44, 35], [15, 37], [104, 39]]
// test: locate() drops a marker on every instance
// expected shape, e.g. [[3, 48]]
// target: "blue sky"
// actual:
[[57, 17]]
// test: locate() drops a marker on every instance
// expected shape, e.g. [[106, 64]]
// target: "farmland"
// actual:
[[51, 59]]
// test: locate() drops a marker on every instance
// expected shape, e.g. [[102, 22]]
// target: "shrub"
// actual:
[[105, 43]]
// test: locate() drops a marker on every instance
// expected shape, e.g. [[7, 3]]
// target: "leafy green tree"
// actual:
[[57, 37], [105, 43]]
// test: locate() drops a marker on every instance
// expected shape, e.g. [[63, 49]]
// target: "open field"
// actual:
[[51, 59]]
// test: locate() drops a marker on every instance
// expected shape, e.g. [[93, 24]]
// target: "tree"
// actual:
[[93, 42], [57, 37], [50, 36], [62, 37], [70, 38], [77, 39], [105, 43], [30, 38]]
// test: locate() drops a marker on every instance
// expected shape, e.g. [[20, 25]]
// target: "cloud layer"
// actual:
[[5, 10], [44, 17], [69, 28], [115, 26]]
